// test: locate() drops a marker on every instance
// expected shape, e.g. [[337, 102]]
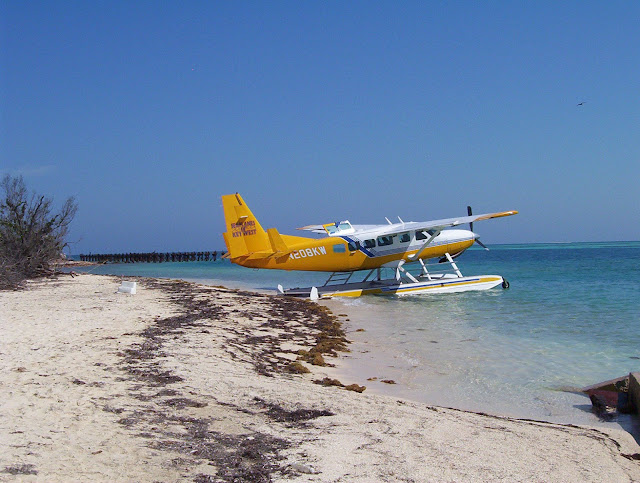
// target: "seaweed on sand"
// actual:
[[245, 457], [21, 469], [275, 329], [327, 381], [297, 416]]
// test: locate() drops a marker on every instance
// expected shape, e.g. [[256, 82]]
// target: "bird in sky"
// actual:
[[581, 103]]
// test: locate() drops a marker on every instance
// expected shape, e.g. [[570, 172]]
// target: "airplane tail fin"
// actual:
[[244, 234]]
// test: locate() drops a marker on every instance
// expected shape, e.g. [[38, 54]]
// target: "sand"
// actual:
[[187, 382]]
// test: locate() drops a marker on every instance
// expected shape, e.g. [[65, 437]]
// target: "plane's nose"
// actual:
[[468, 234]]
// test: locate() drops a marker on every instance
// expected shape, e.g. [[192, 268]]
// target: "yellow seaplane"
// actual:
[[345, 249]]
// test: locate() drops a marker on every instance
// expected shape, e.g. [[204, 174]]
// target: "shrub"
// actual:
[[32, 236]]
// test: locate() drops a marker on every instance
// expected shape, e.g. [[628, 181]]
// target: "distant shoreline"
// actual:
[[75, 263]]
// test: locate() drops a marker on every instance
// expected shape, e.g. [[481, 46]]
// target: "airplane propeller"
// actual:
[[482, 244], [477, 240]]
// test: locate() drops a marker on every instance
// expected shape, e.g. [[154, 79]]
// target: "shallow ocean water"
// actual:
[[570, 319]]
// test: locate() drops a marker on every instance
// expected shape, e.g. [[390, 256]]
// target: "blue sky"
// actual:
[[148, 112]]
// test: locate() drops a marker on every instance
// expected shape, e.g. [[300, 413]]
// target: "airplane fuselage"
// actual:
[[363, 251]]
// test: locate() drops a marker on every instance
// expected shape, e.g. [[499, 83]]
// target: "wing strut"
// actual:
[[401, 271], [416, 255]]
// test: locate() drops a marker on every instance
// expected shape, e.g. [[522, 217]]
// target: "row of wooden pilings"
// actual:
[[152, 257]]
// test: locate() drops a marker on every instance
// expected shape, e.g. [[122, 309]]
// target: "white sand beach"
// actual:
[[185, 382]]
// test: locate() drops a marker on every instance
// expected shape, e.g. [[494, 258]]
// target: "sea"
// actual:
[[570, 319]]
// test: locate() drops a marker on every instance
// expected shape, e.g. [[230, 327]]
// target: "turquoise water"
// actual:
[[570, 319]]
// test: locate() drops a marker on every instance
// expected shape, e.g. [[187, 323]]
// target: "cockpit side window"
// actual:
[[385, 240], [354, 246], [424, 234]]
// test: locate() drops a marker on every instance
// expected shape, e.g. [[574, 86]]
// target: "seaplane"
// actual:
[[346, 249]]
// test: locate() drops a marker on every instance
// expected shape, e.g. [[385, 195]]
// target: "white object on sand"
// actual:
[[127, 287]]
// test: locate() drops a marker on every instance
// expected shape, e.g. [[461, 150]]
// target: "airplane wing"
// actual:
[[314, 228], [449, 222], [412, 225], [357, 228]]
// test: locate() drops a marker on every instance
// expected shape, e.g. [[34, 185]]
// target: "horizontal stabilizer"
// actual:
[[277, 243]]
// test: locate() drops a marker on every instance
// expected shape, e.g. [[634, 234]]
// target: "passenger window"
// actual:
[[369, 243], [405, 238], [340, 248], [354, 246], [385, 240]]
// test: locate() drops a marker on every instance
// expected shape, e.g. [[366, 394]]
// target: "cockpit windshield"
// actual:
[[338, 227]]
